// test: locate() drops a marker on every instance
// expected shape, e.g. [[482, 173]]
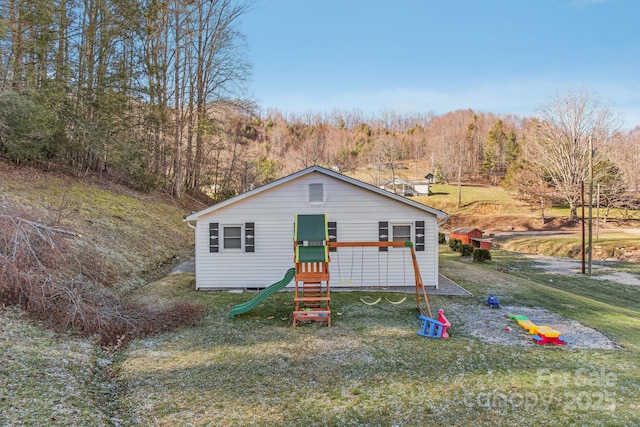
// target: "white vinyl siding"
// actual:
[[356, 211]]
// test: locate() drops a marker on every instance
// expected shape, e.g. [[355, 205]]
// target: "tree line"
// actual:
[[139, 89], [153, 94]]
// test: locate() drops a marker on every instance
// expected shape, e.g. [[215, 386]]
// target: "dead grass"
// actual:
[[118, 226], [370, 368], [58, 274], [608, 246], [50, 379]]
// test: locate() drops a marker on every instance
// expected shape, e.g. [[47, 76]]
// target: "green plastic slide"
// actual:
[[272, 289]]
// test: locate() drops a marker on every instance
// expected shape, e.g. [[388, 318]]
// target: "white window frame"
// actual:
[[309, 193], [223, 237], [392, 229]]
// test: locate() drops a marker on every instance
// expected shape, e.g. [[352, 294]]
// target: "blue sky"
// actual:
[[419, 56]]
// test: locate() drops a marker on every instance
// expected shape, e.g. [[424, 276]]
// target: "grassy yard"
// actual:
[[607, 245], [370, 368], [496, 200]]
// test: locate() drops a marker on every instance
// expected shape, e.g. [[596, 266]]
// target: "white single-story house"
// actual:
[[247, 241]]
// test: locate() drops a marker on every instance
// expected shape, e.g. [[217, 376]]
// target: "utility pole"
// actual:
[[582, 200], [598, 214], [590, 201], [459, 174]]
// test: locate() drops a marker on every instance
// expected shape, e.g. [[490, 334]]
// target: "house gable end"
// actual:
[[309, 171]]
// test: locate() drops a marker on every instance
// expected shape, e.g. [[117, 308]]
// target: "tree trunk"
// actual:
[[177, 136]]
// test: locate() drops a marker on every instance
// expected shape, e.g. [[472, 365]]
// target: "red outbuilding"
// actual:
[[471, 236], [466, 234]]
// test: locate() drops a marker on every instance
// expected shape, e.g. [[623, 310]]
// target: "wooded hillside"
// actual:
[[154, 95]]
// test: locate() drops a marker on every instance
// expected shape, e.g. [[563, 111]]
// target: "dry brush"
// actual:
[[40, 272]]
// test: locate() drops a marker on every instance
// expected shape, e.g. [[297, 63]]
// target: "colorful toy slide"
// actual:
[[541, 334], [268, 291]]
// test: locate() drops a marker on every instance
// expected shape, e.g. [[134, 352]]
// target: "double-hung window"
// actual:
[[232, 237], [401, 232]]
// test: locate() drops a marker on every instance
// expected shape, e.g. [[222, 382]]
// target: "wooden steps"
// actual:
[[312, 296], [312, 315]]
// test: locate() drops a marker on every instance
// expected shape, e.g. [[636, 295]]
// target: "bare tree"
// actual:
[[312, 141], [626, 157], [529, 185], [560, 142]]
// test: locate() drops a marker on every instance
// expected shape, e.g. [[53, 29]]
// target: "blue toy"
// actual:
[[493, 302], [433, 328]]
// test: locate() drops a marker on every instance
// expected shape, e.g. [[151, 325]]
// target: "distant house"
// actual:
[[471, 236], [422, 188], [247, 241], [399, 186]]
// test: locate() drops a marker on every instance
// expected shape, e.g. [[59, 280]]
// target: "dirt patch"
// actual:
[[509, 222], [489, 325]]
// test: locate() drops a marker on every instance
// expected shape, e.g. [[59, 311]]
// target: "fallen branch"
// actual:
[[41, 226]]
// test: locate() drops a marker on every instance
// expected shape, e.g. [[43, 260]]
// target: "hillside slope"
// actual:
[[118, 240], [131, 236]]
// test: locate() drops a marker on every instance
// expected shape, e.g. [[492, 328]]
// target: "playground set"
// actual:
[[541, 334], [312, 294]]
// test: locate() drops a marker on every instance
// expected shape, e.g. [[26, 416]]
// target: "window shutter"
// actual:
[[383, 234], [249, 237], [332, 227], [214, 232], [419, 246]]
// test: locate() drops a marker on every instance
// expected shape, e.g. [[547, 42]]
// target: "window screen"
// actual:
[[232, 237], [401, 233]]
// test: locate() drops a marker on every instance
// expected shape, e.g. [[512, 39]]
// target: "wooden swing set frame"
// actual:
[[420, 289], [312, 291]]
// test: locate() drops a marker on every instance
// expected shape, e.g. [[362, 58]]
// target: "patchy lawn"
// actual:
[[370, 367], [50, 379]]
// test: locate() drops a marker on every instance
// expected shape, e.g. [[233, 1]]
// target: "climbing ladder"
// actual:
[[312, 294]]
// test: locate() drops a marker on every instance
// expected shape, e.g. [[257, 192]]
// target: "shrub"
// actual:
[[481, 255], [39, 272], [27, 128], [465, 249], [442, 239], [455, 244]]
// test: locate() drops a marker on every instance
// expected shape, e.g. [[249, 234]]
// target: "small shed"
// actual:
[[431, 179], [472, 236], [465, 235], [482, 243]]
